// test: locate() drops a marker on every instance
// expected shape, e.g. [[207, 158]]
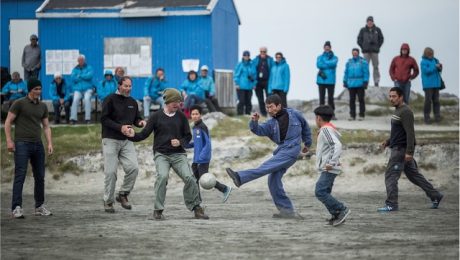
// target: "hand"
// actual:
[[408, 157], [130, 133], [175, 142], [328, 167], [305, 149], [125, 129], [365, 84], [142, 123], [10, 146], [50, 149], [255, 117]]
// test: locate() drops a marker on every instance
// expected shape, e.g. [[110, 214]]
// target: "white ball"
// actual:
[[207, 181]]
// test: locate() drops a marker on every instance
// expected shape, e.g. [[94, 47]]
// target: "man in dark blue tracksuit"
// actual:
[[288, 129]]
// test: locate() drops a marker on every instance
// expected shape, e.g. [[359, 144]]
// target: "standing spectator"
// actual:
[[288, 129], [327, 64], [280, 77], [82, 86], [431, 82], [192, 92], [207, 83], [356, 79], [31, 58], [119, 73], [107, 86], [13, 90], [263, 63], [370, 39], [403, 69], [153, 90], [119, 113], [402, 144], [245, 81], [171, 133], [27, 114], [61, 95]]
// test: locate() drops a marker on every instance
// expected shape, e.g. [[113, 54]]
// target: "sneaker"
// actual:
[[199, 213], [108, 207], [330, 221], [436, 202], [73, 122], [292, 215], [157, 215], [227, 192], [234, 176], [17, 212], [88, 122], [341, 217], [360, 118], [351, 118], [387, 208], [42, 211], [123, 199]]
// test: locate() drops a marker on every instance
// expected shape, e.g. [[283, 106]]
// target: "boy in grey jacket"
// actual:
[[328, 152]]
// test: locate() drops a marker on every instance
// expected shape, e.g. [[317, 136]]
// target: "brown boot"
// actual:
[[123, 199], [108, 207], [199, 213], [158, 214]]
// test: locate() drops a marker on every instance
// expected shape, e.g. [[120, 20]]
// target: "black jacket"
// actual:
[[370, 39]]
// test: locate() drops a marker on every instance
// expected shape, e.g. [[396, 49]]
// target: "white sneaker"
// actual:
[[42, 211], [17, 212]]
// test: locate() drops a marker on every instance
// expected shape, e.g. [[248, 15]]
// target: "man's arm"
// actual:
[[8, 122], [47, 131], [258, 129], [407, 120]]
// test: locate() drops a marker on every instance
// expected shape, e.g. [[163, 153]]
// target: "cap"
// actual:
[[204, 67], [57, 75], [108, 72]]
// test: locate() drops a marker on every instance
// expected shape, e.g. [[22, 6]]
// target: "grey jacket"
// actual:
[[328, 150], [31, 57]]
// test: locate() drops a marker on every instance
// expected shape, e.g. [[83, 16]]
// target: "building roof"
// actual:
[[122, 4]]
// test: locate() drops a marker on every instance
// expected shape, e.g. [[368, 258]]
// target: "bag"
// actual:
[[443, 86]]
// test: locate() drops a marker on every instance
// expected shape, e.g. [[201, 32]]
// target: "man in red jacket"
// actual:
[[403, 69]]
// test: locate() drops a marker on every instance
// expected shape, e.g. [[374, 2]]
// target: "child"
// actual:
[[202, 150], [328, 152]]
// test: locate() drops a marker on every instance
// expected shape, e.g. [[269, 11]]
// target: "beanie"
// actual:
[[246, 53], [370, 18], [327, 43], [171, 95], [33, 83]]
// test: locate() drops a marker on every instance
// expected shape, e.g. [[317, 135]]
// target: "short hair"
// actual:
[[325, 112], [273, 99], [81, 56], [196, 107], [398, 91], [159, 69], [120, 81]]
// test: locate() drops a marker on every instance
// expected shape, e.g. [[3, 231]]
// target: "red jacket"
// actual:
[[403, 67]]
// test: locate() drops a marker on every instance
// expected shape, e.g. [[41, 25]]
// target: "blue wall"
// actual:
[[225, 35], [14, 9]]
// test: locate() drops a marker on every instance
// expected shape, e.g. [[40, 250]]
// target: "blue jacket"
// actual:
[[201, 143], [193, 88], [280, 77], [105, 88], [431, 77], [207, 84], [15, 91], [154, 87], [270, 62], [298, 132], [326, 63], [245, 75], [67, 91], [82, 78], [356, 72]]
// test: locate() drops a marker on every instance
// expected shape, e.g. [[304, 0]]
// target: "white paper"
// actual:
[[145, 51], [58, 56], [133, 70], [74, 54], [53, 67], [121, 60], [108, 61], [49, 55], [190, 64], [145, 66], [67, 67], [135, 59]]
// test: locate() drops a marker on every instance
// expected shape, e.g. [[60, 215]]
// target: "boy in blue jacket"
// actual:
[[202, 150]]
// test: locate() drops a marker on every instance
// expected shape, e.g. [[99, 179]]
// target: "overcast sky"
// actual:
[[299, 28]]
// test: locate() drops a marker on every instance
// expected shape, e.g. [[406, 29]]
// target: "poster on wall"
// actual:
[[133, 54], [60, 61]]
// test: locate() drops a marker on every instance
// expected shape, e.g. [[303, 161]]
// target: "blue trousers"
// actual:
[[406, 90], [323, 193], [276, 167]]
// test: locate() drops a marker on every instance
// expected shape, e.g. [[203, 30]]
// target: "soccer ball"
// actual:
[[207, 181]]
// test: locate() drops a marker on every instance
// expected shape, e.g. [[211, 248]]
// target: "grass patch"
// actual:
[[357, 160], [231, 126], [379, 112], [374, 169]]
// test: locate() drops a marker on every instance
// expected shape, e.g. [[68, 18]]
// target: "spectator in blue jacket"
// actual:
[[280, 77], [82, 86], [61, 95], [202, 150], [327, 65], [153, 91], [356, 79], [107, 86], [245, 81], [263, 63], [207, 83], [14, 89], [192, 92], [431, 82]]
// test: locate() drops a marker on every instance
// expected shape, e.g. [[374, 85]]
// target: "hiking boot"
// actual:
[[292, 215], [330, 221], [17, 212], [227, 192], [157, 215], [108, 207], [341, 217], [123, 199], [234, 176], [42, 211], [199, 213], [387, 208], [435, 203]]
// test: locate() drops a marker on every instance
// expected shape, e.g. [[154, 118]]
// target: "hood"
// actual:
[[405, 46], [282, 61]]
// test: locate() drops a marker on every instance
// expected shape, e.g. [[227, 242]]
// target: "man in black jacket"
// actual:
[[370, 39], [119, 113]]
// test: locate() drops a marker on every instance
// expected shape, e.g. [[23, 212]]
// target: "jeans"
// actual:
[[35, 152], [115, 151], [362, 104], [77, 95], [148, 102], [432, 96], [261, 87], [405, 86], [244, 101], [57, 110], [192, 100], [323, 193], [283, 96], [374, 57], [330, 94], [31, 74]]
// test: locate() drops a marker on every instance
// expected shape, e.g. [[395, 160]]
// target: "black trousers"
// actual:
[[362, 105], [282, 95], [244, 101], [330, 94], [212, 104], [202, 168], [432, 97], [261, 87]]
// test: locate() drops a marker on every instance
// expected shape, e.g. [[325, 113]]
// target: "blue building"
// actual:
[[110, 32]]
